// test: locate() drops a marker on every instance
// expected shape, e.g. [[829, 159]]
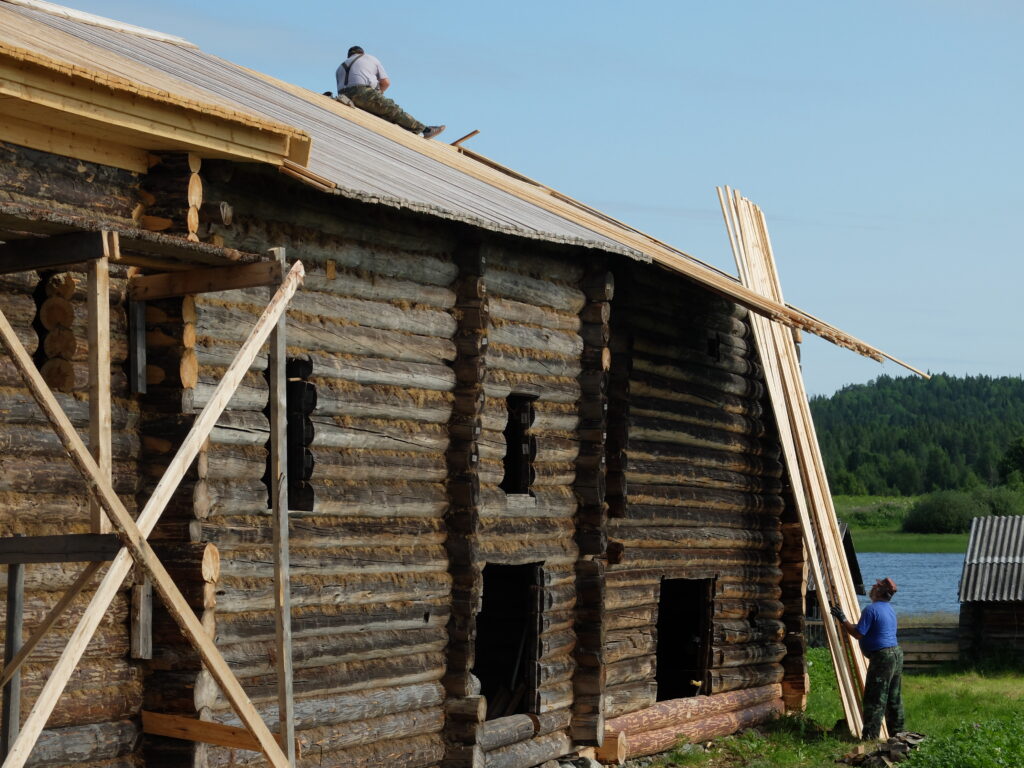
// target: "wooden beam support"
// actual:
[[133, 534], [51, 252], [12, 687], [190, 729], [149, 287], [62, 548], [279, 511], [98, 305]]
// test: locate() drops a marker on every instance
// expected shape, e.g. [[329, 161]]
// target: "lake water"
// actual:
[[928, 582]]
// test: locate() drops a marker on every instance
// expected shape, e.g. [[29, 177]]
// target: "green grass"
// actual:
[[894, 540], [860, 512], [953, 706]]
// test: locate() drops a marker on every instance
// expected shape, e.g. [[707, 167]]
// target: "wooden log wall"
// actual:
[[693, 486], [95, 721], [535, 349], [371, 341]]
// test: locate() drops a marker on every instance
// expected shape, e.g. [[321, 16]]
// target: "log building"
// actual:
[[533, 480], [992, 589]]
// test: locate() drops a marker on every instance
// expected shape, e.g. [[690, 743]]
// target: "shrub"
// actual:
[[1002, 500], [944, 512], [988, 744]]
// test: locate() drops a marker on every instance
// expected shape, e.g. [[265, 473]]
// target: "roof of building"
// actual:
[[352, 153], [994, 564]]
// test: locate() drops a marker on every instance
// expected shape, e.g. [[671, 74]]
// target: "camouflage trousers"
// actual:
[[883, 695], [376, 103]]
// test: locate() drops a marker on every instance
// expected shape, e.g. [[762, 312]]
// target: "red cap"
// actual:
[[887, 585]]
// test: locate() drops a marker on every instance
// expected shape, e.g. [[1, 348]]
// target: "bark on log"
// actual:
[[713, 727], [530, 753]]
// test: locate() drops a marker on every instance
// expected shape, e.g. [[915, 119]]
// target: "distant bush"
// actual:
[[883, 515], [945, 512], [1002, 500], [988, 744]]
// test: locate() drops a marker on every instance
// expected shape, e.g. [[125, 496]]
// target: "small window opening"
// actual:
[[506, 638], [300, 402], [684, 637], [520, 446]]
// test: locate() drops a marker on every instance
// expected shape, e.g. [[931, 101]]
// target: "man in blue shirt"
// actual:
[[876, 631]]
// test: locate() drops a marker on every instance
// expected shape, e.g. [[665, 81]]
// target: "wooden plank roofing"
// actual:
[[360, 156]]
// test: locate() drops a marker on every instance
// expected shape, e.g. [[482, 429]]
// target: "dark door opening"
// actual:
[[684, 637], [506, 638]]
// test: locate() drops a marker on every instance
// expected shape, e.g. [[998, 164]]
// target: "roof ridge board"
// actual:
[[54, 9]]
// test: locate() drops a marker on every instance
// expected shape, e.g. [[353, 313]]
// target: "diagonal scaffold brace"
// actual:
[[134, 534]]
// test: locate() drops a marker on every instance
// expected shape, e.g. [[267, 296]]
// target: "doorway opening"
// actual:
[[684, 637], [506, 638]]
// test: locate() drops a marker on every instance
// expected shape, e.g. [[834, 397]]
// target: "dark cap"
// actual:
[[887, 585], [355, 49]]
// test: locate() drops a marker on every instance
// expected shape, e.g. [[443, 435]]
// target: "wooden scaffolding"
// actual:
[[163, 267]]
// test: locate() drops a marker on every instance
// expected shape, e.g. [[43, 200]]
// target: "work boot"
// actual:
[[433, 130]]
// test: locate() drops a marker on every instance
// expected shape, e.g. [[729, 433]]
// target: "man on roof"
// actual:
[[362, 79], [876, 631]]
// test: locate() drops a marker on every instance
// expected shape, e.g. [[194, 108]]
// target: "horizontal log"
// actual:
[[679, 433], [530, 753], [368, 313], [713, 727], [73, 344], [661, 514], [558, 389], [651, 385], [733, 678], [407, 499], [21, 408], [382, 372], [524, 361], [546, 340], [504, 731], [709, 498], [631, 670], [530, 262], [82, 744], [736, 631], [376, 288], [530, 290], [677, 711], [325, 336], [620, 699], [743, 655], [697, 538], [531, 314], [362, 705], [423, 751]]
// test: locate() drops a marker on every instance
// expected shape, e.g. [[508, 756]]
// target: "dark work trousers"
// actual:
[[883, 694]]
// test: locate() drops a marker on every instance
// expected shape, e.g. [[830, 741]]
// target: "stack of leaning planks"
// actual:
[[748, 236]]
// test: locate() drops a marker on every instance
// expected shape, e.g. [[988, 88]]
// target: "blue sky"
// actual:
[[881, 139]]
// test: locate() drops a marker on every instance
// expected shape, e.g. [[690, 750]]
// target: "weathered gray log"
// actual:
[[530, 753], [520, 312], [504, 731], [546, 340], [424, 751], [393, 499], [79, 744], [331, 337], [369, 435], [378, 288], [710, 498], [631, 670], [529, 290], [528, 262], [736, 631], [382, 372], [620, 699], [690, 516], [372, 314], [518, 360]]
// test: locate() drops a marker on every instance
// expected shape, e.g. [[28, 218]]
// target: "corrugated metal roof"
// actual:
[[994, 565]]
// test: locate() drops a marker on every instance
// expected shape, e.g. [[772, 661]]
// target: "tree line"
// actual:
[[909, 436]]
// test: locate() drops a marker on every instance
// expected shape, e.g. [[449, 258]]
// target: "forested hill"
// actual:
[[909, 436]]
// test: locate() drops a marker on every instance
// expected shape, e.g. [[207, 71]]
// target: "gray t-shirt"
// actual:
[[364, 69]]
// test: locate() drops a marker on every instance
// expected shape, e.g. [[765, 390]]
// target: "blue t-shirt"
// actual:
[[878, 626]]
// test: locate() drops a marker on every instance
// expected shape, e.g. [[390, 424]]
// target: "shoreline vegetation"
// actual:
[[876, 524]]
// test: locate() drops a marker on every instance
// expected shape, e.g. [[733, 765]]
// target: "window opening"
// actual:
[[300, 402], [520, 445], [506, 637], [684, 637]]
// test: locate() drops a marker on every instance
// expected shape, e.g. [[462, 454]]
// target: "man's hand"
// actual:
[[836, 611]]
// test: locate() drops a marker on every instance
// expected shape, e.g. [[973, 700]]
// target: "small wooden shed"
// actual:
[[992, 588], [533, 482]]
